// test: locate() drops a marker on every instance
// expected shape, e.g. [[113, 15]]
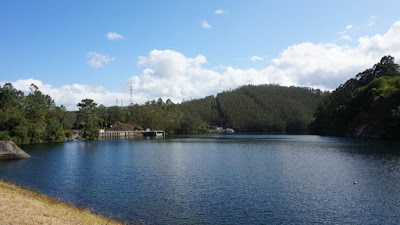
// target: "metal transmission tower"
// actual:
[[130, 89]]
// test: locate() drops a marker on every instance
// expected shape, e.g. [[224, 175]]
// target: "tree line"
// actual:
[[35, 118]]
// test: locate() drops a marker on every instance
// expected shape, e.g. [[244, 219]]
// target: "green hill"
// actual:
[[269, 108], [365, 106]]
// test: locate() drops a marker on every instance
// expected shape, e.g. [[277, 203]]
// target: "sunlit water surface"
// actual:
[[221, 179]]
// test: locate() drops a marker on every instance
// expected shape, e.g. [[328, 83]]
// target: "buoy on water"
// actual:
[[355, 182]]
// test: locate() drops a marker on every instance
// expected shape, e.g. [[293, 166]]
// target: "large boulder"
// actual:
[[9, 150]]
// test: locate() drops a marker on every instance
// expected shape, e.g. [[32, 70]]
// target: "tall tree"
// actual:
[[88, 119]]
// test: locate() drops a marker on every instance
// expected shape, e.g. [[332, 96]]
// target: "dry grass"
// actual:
[[23, 206]]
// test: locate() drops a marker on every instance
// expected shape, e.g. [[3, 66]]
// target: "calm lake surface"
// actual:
[[221, 179]]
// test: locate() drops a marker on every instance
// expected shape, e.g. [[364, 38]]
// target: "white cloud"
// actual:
[[372, 20], [219, 12], [170, 74], [114, 36], [388, 43], [219, 67], [256, 58], [205, 25], [97, 60], [345, 35]]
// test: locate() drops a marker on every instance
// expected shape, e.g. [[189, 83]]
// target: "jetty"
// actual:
[[119, 134], [153, 133]]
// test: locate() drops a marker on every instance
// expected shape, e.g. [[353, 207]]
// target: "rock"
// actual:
[[366, 130], [9, 150]]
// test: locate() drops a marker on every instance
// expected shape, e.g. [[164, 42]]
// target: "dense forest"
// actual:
[[365, 106], [35, 118], [269, 108], [32, 118]]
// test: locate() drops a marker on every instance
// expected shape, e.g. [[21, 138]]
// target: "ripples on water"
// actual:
[[221, 179]]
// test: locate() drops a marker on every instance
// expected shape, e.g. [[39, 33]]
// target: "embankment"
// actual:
[[23, 206]]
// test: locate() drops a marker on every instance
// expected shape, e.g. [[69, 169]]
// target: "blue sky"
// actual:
[[188, 49]]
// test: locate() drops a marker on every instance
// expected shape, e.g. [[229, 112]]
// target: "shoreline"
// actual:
[[21, 205]]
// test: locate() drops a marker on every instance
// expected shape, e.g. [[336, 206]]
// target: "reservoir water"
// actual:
[[221, 179]]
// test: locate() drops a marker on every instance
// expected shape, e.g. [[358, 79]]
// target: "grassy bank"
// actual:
[[23, 206]]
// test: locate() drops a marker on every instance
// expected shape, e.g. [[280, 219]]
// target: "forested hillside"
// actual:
[[264, 108], [269, 108], [365, 106], [35, 118]]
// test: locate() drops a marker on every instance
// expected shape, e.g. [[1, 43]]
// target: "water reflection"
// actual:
[[222, 179]]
